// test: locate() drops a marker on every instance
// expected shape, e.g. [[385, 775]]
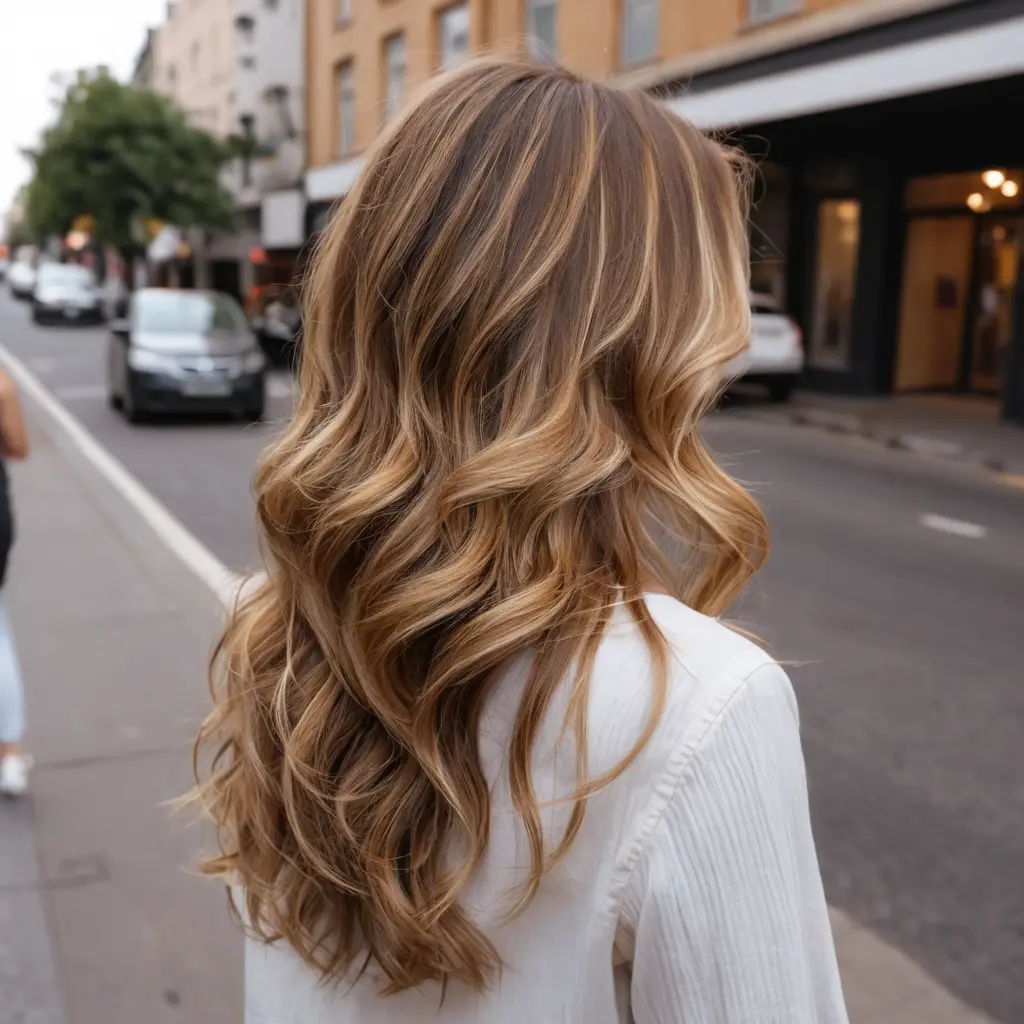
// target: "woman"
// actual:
[[14, 764], [482, 754]]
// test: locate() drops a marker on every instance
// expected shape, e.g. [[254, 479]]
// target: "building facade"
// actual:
[[888, 217], [194, 62], [270, 42]]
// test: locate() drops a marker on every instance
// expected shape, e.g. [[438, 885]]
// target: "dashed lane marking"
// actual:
[[958, 527]]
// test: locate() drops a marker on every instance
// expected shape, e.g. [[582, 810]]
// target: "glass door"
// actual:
[[995, 273]]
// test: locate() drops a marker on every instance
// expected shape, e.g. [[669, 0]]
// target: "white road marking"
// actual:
[[77, 392], [955, 526], [222, 581]]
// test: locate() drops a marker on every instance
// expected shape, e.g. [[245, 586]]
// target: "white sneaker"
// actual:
[[14, 770]]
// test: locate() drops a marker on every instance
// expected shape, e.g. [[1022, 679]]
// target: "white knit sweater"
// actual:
[[691, 894]]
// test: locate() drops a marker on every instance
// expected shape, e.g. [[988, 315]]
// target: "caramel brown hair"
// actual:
[[513, 326]]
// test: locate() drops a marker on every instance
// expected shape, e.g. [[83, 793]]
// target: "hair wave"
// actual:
[[513, 326]]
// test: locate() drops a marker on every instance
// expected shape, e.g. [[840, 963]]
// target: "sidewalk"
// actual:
[[961, 428], [99, 920]]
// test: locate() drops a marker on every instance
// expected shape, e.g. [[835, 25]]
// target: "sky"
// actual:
[[41, 37]]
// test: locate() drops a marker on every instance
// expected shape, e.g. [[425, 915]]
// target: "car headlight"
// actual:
[[253, 361], [147, 361]]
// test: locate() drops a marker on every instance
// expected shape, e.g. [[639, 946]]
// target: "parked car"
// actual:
[[21, 278], [66, 293], [180, 351], [5, 264], [775, 357]]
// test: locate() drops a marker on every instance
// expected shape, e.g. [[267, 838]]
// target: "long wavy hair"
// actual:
[[514, 324]]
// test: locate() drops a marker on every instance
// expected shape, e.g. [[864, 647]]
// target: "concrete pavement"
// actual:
[[956, 427], [908, 639], [99, 919]]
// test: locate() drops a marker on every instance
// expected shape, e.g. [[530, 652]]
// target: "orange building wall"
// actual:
[[589, 35]]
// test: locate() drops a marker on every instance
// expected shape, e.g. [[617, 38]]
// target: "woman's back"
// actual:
[[672, 904], [457, 752]]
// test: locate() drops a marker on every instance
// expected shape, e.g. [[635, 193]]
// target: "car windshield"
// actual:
[[65, 275], [186, 313]]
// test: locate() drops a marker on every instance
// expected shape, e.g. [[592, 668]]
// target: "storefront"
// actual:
[[889, 219]]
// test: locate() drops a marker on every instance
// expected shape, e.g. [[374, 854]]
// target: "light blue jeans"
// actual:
[[12, 702]]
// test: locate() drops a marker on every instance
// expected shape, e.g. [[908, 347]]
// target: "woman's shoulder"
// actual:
[[710, 667]]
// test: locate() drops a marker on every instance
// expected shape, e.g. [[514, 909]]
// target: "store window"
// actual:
[[541, 18], [453, 25], [394, 70], [346, 84], [835, 282], [769, 232], [995, 188], [639, 31]]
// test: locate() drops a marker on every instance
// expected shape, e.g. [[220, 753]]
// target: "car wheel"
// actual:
[[781, 388], [130, 408], [115, 401]]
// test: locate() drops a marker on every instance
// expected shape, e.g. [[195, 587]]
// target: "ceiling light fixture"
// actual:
[[993, 179], [1010, 188], [975, 201]]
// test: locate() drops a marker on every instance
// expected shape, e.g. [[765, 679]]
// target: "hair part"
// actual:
[[513, 326]]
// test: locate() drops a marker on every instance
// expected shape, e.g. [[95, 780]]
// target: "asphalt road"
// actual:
[[904, 642]]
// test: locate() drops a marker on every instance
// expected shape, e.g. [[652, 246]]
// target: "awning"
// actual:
[[973, 55]]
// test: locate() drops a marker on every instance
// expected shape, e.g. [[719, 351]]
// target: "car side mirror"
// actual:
[[120, 326]]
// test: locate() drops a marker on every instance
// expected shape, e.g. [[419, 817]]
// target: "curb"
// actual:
[[919, 444]]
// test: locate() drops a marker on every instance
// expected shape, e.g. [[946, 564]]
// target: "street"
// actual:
[[894, 594]]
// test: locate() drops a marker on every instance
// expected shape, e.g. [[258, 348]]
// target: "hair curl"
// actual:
[[513, 326]]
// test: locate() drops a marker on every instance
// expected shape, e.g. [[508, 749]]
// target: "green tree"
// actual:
[[125, 155]]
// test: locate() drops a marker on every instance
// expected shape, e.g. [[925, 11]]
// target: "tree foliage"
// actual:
[[124, 155]]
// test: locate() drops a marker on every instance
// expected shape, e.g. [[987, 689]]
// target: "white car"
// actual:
[[66, 292], [775, 357], [22, 279]]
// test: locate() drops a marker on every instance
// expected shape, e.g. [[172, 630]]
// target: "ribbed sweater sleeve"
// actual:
[[725, 908]]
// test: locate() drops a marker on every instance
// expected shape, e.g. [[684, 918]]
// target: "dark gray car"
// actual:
[[183, 351]]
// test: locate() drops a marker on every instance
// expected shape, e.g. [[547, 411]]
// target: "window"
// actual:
[[248, 62], [173, 312], [639, 31], [195, 55], [344, 11], [394, 69], [270, 5], [764, 10], [346, 108], [835, 284], [541, 18], [453, 23]]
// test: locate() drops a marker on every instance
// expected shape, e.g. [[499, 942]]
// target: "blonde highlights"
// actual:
[[513, 326]]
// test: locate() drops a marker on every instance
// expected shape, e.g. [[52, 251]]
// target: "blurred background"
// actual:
[[199, 148]]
